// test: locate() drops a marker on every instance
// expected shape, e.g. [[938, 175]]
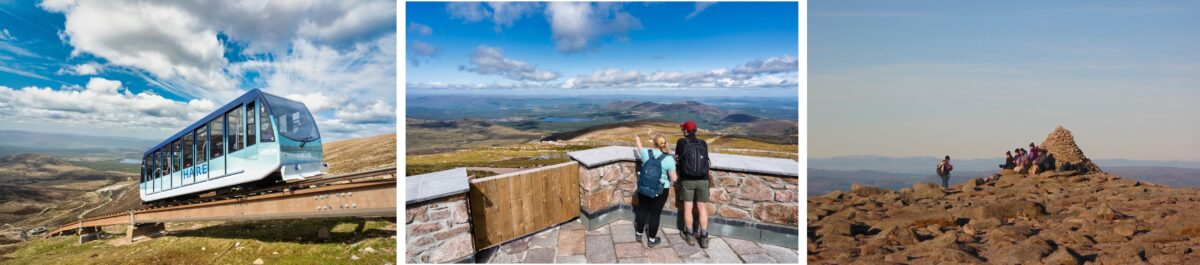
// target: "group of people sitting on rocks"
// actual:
[[1035, 160]]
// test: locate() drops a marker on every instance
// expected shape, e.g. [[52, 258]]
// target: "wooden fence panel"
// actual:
[[513, 205]]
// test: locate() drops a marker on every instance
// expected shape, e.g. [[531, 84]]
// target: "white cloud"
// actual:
[[420, 28], [771, 72], [576, 25], [89, 68], [331, 55], [376, 112], [5, 36], [700, 6], [102, 103], [501, 14], [491, 61], [780, 64], [419, 50], [176, 41]]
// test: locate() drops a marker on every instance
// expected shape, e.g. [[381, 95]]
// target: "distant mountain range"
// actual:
[[927, 164], [71, 144]]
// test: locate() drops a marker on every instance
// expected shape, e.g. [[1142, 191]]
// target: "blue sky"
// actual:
[[147, 68], [972, 79], [560, 48]]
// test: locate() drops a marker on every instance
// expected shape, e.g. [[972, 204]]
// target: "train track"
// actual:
[[320, 197]]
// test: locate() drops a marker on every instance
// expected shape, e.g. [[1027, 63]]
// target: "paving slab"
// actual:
[[781, 254], [501, 257], [599, 249], [539, 255], [570, 242], [571, 259], [682, 248], [547, 239], [622, 233], [603, 230], [634, 260], [515, 246], [758, 258], [720, 252], [743, 247], [697, 259], [663, 255], [630, 250]]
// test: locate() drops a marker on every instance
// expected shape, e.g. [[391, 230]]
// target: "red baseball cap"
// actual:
[[689, 126]]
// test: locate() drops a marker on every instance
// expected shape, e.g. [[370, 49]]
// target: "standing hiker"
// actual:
[[653, 184], [692, 155], [943, 170]]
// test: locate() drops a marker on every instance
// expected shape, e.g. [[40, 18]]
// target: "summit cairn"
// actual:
[[1061, 144]]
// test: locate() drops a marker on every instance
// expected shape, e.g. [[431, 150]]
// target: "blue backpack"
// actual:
[[650, 177]]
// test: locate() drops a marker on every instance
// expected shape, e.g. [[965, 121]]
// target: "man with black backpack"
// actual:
[[693, 162]]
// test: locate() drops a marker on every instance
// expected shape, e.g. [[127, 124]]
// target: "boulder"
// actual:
[[1009, 209], [925, 190], [1027, 251]]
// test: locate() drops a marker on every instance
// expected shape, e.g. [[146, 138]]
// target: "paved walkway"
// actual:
[[614, 243]]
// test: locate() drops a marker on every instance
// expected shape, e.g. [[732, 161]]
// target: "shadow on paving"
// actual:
[[294, 231]]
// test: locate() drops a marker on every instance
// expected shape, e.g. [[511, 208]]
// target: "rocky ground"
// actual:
[[1055, 217]]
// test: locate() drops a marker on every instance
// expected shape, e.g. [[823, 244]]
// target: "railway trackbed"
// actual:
[[366, 194]]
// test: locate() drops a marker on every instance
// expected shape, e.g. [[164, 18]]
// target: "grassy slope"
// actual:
[[464, 135], [294, 240], [353, 155], [275, 242]]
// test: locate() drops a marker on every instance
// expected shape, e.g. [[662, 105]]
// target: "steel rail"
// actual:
[[338, 196]]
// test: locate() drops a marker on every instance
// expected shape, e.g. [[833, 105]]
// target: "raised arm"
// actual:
[[639, 142]]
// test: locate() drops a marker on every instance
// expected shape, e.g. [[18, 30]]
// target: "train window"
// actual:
[[251, 130], [176, 147], [142, 179], [236, 131], [162, 163], [265, 130], [187, 150], [201, 144], [217, 137]]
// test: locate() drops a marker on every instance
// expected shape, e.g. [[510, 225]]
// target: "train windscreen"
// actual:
[[293, 119]]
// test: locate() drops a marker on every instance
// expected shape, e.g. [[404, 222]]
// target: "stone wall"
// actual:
[[748, 197], [439, 231]]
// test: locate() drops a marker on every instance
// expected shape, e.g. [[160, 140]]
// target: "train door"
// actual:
[[189, 159], [250, 152], [235, 160], [176, 164], [162, 169], [142, 176], [216, 139], [202, 154]]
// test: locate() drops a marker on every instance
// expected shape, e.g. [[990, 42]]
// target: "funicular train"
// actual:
[[256, 140]]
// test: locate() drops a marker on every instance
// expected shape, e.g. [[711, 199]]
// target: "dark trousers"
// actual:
[[648, 213], [946, 181]]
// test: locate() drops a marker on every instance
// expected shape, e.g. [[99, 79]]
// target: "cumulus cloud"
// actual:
[[89, 68], [491, 61], [501, 14], [420, 28], [331, 55], [700, 6], [101, 102], [418, 51], [771, 72], [577, 25], [764, 72], [177, 41]]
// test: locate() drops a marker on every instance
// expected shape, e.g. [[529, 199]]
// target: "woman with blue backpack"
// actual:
[[653, 184]]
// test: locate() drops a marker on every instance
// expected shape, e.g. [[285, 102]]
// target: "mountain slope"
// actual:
[[1055, 217]]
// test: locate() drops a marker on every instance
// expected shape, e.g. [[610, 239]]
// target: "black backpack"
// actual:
[[694, 158], [650, 176]]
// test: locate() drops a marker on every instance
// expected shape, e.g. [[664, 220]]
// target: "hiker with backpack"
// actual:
[[943, 170], [653, 184], [691, 154]]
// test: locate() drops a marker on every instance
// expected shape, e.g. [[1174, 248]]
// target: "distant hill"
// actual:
[[431, 136], [740, 118], [49, 140], [43, 190]]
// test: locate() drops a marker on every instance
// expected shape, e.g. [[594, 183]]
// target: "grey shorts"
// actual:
[[693, 190]]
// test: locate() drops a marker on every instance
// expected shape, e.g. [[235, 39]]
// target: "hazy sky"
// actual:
[[565, 47], [149, 68], [971, 79]]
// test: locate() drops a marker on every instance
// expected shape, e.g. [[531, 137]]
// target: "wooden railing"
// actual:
[[509, 206]]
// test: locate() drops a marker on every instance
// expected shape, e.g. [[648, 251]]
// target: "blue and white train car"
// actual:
[[257, 139]]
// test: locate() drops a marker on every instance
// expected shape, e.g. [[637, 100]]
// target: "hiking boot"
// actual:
[[653, 241], [703, 241], [687, 238], [637, 236]]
